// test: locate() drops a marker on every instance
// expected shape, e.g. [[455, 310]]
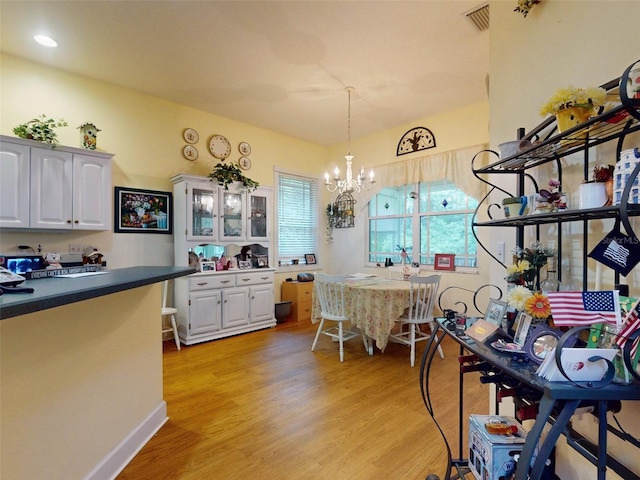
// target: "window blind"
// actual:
[[297, 216]]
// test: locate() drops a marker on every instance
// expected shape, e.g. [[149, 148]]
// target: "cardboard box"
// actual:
[[491, 455]]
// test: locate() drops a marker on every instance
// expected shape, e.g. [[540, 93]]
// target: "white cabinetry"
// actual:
[[217, 304], [58, 188]]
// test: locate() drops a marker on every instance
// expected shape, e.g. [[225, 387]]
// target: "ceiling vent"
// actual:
[[479, 16]]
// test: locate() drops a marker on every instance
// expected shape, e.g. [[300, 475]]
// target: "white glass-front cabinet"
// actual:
[[232, 215], [202, 211], [259, 216]]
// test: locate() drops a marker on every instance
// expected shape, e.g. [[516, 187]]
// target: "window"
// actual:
[[416, 217], [297, 216]]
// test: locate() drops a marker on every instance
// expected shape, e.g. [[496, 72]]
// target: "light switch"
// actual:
[[500, 251]]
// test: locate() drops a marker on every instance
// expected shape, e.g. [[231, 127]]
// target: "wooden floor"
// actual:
[[263, 406]]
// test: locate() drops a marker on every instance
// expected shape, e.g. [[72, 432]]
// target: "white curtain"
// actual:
[[454, 166]]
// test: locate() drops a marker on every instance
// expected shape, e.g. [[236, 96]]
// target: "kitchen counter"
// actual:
[[56, 291]]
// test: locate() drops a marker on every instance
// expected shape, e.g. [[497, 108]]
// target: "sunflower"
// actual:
[[538, 306]]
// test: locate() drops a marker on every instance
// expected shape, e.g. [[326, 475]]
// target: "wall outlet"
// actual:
[[500, 251], [75, 249]]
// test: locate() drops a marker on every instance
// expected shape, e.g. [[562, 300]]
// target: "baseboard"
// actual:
[[119, 457]]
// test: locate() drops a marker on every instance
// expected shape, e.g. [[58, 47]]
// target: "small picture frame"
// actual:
[[541, 342], [310, 258], [495, 312], [263, 261], [522, 326], [244, 264], [445, 261]]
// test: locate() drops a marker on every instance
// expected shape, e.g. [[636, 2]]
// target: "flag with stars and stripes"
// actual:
[[585, 308], [630, 324]]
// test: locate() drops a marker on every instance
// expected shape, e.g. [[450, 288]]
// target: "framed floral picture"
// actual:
[[142, 211]]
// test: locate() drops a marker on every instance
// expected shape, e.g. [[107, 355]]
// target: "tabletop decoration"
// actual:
[[572, 105], [527, 262], [524, 6], [552, 199], [89, 135]]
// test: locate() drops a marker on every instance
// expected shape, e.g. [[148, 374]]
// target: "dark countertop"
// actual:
[[57, 291]]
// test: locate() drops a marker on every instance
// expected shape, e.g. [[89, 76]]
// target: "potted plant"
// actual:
[[41, 129], [572, 105], [228, 173]]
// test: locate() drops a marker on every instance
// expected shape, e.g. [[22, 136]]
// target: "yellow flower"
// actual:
[[517, 296], [573, 97], [538, 306]]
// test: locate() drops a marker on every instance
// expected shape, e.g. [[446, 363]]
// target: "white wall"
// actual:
[[584, 43]]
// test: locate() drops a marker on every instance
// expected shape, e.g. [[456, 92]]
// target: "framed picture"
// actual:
[[522, 326], [142, 211], [444, 261], [541, 342], [310, 258], [244, 264], [495, 311]]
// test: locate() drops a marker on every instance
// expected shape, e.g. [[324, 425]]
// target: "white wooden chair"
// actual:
[[330, 291], [171, 313], [421, 301]]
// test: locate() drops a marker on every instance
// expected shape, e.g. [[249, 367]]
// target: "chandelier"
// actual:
[[349, 184]]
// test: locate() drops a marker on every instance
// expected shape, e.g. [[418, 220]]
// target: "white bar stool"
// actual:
[[169, 311]]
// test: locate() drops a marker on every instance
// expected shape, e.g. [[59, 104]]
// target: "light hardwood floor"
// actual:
[[263, 406]]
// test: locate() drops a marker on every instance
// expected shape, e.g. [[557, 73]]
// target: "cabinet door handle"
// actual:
[[264, 278], [225, 281], [245, 279], [68, 221], [76, 221], [201, 284]]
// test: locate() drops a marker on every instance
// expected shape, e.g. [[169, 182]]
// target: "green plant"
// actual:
[[331, 222], [41, 129], [227, 173]]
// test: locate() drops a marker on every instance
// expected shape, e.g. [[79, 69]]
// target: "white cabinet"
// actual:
[[202, 211], [232, 215], [58, 188], [14, 183], [259, 215], [219, 304]]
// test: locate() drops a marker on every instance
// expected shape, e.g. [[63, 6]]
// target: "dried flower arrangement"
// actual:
[[571, 96]]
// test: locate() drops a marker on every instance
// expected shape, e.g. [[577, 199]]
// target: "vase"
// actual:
[[571, 116]]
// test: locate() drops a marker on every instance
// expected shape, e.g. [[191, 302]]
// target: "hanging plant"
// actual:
[[331, 222], [228, 173], [41, 129]]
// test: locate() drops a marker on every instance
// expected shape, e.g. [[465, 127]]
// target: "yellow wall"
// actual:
[[145, 134], [561, 43], [76, 381]]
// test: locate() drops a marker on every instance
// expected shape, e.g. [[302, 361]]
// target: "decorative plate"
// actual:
[[219, 147], [190, 152], [503, 346], [245, 163], [190, 136], [245, 148]]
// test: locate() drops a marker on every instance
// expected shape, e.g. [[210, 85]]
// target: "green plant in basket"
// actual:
[[228, 173], [41, 129]]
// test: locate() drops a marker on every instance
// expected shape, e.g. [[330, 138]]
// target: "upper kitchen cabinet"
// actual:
[[259, 218], [61, 188]]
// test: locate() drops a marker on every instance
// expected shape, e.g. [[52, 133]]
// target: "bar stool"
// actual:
[[169, 311]]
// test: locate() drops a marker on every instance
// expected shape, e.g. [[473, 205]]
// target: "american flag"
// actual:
[[630, 323], [584, 308]]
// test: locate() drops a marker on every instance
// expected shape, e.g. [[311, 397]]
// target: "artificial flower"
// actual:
[[525, 5], [538, 306], [573, 97], [517, 297]]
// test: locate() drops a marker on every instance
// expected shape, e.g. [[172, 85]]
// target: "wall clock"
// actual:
[[245, 163], [244, 148], [190, 152], [219, 146], [190, 135], [416, 139]]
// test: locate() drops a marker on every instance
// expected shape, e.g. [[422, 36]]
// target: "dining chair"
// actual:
[[330, 291], [422, 298], [169, 312]]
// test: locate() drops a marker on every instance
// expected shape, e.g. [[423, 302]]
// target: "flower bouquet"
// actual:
[[527, 263]]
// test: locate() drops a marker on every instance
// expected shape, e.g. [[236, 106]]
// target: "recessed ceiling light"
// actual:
[[46, 41]]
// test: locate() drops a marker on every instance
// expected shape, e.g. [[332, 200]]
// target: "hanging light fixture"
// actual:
[[349, 184]]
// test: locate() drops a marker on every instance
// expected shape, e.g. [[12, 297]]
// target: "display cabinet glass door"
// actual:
[[259, 212], [203, 213], [232, 216]]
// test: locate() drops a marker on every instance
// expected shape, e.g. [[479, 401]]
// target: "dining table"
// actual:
[[373, 304]]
